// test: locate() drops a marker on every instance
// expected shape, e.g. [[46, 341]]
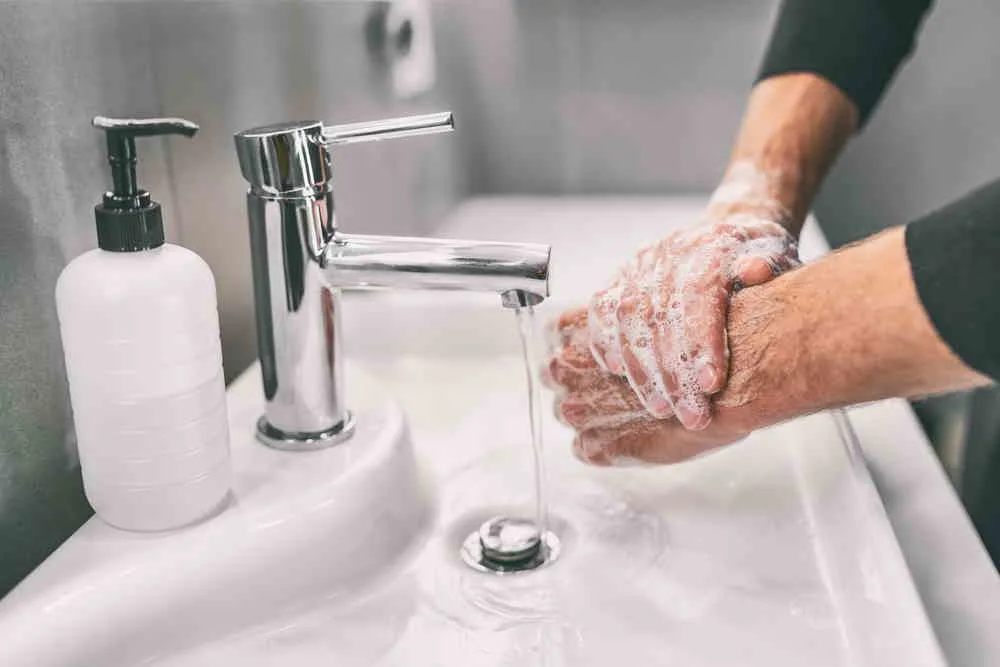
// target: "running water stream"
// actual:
[[512, 544], [526, 328]]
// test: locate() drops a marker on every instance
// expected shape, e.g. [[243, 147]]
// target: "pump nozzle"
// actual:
[[127, 218]]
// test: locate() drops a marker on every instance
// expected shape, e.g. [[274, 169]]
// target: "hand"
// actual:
[[662, 323], [797, 347], [612, 426]]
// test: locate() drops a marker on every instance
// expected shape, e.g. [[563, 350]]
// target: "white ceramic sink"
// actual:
[[774, 552], [299, 528]]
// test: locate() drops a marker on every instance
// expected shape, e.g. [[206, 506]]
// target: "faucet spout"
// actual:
[[300, 260], [508, 269]]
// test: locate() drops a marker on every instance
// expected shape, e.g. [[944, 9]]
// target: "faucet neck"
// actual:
[[299, 263]]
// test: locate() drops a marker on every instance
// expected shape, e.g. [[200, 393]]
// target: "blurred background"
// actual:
[[552, 97]]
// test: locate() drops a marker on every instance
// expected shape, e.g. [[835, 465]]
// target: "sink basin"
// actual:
[[775, 551]]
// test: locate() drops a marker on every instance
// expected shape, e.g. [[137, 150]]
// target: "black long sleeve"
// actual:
[[955, 259], [855, 44], [955, 252]]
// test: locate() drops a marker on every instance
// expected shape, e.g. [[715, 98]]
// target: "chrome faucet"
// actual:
[[301, 261]]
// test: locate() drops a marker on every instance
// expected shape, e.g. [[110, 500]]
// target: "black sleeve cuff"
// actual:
[[955, 259], [855, 44]]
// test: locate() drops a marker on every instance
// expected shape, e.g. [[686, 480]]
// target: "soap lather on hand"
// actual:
[[875, 320], [662, 323], [612, 426]]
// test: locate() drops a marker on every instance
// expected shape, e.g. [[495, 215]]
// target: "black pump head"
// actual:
[[127, 218]]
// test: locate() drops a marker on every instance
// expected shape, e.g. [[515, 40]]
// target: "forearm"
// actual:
[[827, 65], [847, 329], [794, 127]]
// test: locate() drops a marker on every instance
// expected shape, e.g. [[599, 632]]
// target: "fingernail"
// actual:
[[615, 363], [708, 378], [692, 420], [588, 451]]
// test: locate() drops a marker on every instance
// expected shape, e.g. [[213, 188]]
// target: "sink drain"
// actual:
[[505, 544]]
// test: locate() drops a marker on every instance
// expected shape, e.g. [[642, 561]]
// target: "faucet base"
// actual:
[[300, 442]]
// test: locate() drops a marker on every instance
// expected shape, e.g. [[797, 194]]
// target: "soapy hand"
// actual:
[[612, 426], [662, 322]]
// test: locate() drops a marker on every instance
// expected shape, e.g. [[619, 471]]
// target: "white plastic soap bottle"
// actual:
[[140, 332]]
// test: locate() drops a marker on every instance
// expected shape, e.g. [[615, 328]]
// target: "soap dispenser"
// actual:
[[140, 334]]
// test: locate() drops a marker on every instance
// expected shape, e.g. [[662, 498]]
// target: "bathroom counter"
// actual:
[[953, 573]]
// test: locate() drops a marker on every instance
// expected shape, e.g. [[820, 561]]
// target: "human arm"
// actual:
[[661, 323], [849, 328]]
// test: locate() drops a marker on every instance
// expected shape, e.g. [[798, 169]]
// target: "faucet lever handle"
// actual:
[[376, 130]]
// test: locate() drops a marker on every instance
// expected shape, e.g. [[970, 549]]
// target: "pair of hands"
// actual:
[[635, 373]]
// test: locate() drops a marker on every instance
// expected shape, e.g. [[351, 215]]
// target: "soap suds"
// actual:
[[662, 322]]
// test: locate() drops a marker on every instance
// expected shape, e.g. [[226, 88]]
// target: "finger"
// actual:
[[693, 411], [691, 339], [659, 359], [601, 409], [584, 453], [573, 368], [548, 378], [560, 330], [686, 365], [562, 378], [574, 317], [571, 322], [638, 354], [751, 271], [705, 359], [557, 410], [787, 262], [754, 270], [603, 325], [769, 252], [608, 401]]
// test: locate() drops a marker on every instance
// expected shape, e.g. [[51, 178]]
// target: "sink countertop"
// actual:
[[954, 575]]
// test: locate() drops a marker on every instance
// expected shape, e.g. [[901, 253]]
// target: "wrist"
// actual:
[[793, 129], [770, 378], [847, 329], [753, 193]]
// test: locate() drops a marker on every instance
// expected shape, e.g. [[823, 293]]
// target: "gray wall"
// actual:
[[57, 69], [588, 96], [935, 136]]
